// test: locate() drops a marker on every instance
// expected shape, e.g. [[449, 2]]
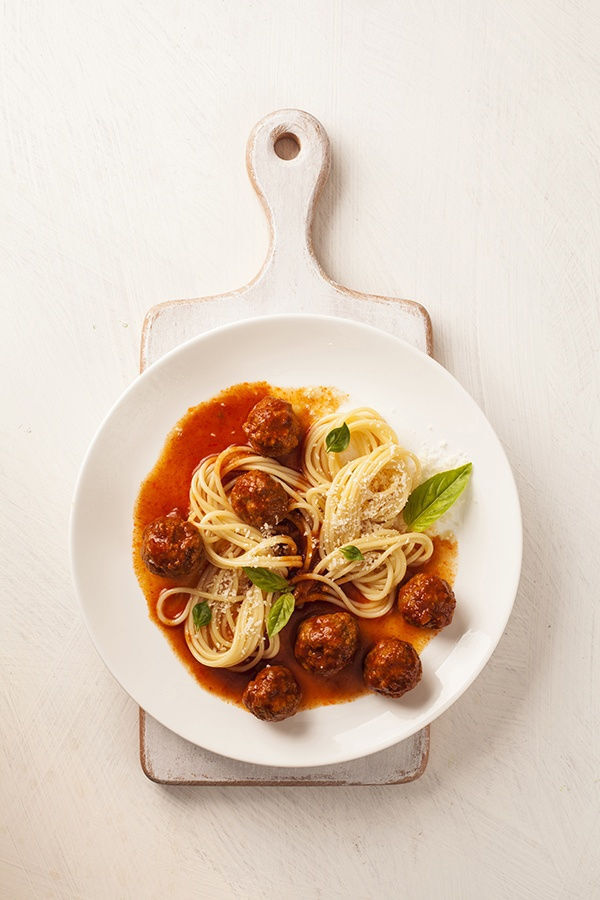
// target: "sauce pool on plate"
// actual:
[[209, 428]]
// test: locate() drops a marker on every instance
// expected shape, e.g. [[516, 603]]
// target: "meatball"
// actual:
[[326, 643], [427, 601], [273, 695], [392, 667], [272, 427], [259, 499], [171, 547]]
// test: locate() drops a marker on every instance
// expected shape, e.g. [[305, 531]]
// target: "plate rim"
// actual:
[[385, 742]]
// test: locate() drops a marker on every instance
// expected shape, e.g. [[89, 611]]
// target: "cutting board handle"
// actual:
[[288, 186]]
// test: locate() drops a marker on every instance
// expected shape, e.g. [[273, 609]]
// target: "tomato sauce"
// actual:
[[209, 428]]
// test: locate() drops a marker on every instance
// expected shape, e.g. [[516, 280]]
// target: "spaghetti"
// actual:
[[353, 498]]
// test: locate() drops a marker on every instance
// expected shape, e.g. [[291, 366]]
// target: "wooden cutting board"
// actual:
[[288, 158]]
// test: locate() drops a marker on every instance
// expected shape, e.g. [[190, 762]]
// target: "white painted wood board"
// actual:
[[169, 759], [291, 280]]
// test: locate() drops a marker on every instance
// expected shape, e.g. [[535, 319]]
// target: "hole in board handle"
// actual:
[[287, 146]]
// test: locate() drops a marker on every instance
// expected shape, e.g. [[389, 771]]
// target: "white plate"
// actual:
[[425, 405]]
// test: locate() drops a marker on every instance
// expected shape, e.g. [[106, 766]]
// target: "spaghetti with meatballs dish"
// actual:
[[287, 547]]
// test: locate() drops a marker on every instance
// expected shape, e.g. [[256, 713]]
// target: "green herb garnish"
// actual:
[[338, 439], [351, 553], [280, 612], [435, 496], [265, 579], [201, 614]]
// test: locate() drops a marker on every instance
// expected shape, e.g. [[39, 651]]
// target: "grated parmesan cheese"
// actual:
[[439, 458]]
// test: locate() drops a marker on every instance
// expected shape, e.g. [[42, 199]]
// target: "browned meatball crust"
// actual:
[[272, 427], [326, 643], [273, 695], [171, 547], [427, 601], [259, 499], [392, 667]]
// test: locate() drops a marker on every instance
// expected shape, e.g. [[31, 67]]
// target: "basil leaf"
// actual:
[[435, 496], [202, 614], [265, 579], [279, 614], [351, 552], [338, 439]]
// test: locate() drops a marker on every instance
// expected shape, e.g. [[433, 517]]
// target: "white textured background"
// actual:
[[466, 138]]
